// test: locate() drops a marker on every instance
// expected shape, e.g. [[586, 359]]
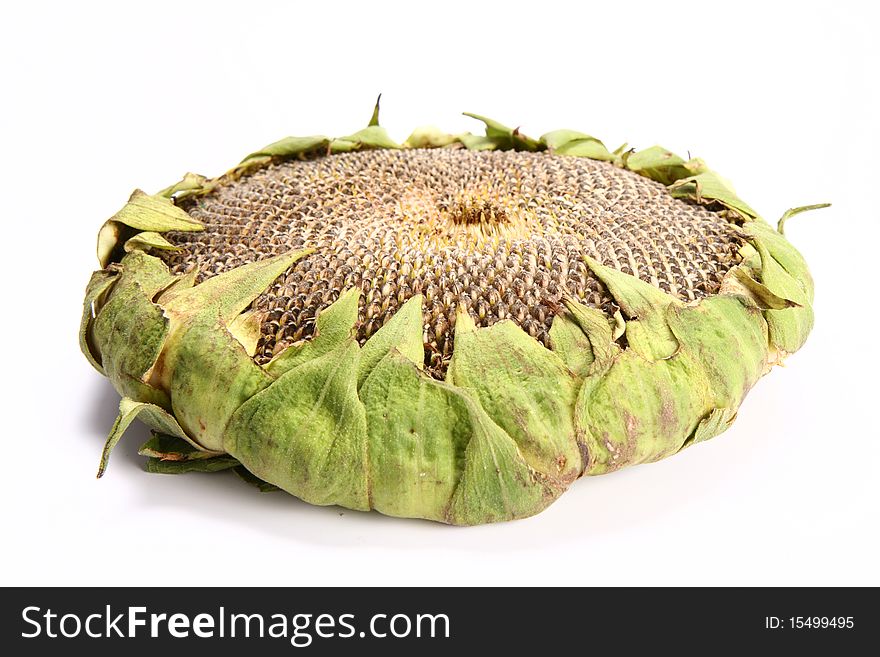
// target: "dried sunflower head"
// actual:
[[454, 328]]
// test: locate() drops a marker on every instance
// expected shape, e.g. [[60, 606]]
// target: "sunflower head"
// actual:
[[454, 328]]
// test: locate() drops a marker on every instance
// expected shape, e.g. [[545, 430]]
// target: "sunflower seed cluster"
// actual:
[[501, 232]]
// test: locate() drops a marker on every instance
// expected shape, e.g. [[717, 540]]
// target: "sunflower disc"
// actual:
[[453, 328]]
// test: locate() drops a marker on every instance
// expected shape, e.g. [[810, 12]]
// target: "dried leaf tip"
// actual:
[[788, 214]]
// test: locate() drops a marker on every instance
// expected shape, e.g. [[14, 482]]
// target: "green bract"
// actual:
[[513, 423]]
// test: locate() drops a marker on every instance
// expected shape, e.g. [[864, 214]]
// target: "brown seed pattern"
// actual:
[[502, 232]]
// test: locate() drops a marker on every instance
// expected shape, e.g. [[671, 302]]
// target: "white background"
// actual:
[[780, 98]]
